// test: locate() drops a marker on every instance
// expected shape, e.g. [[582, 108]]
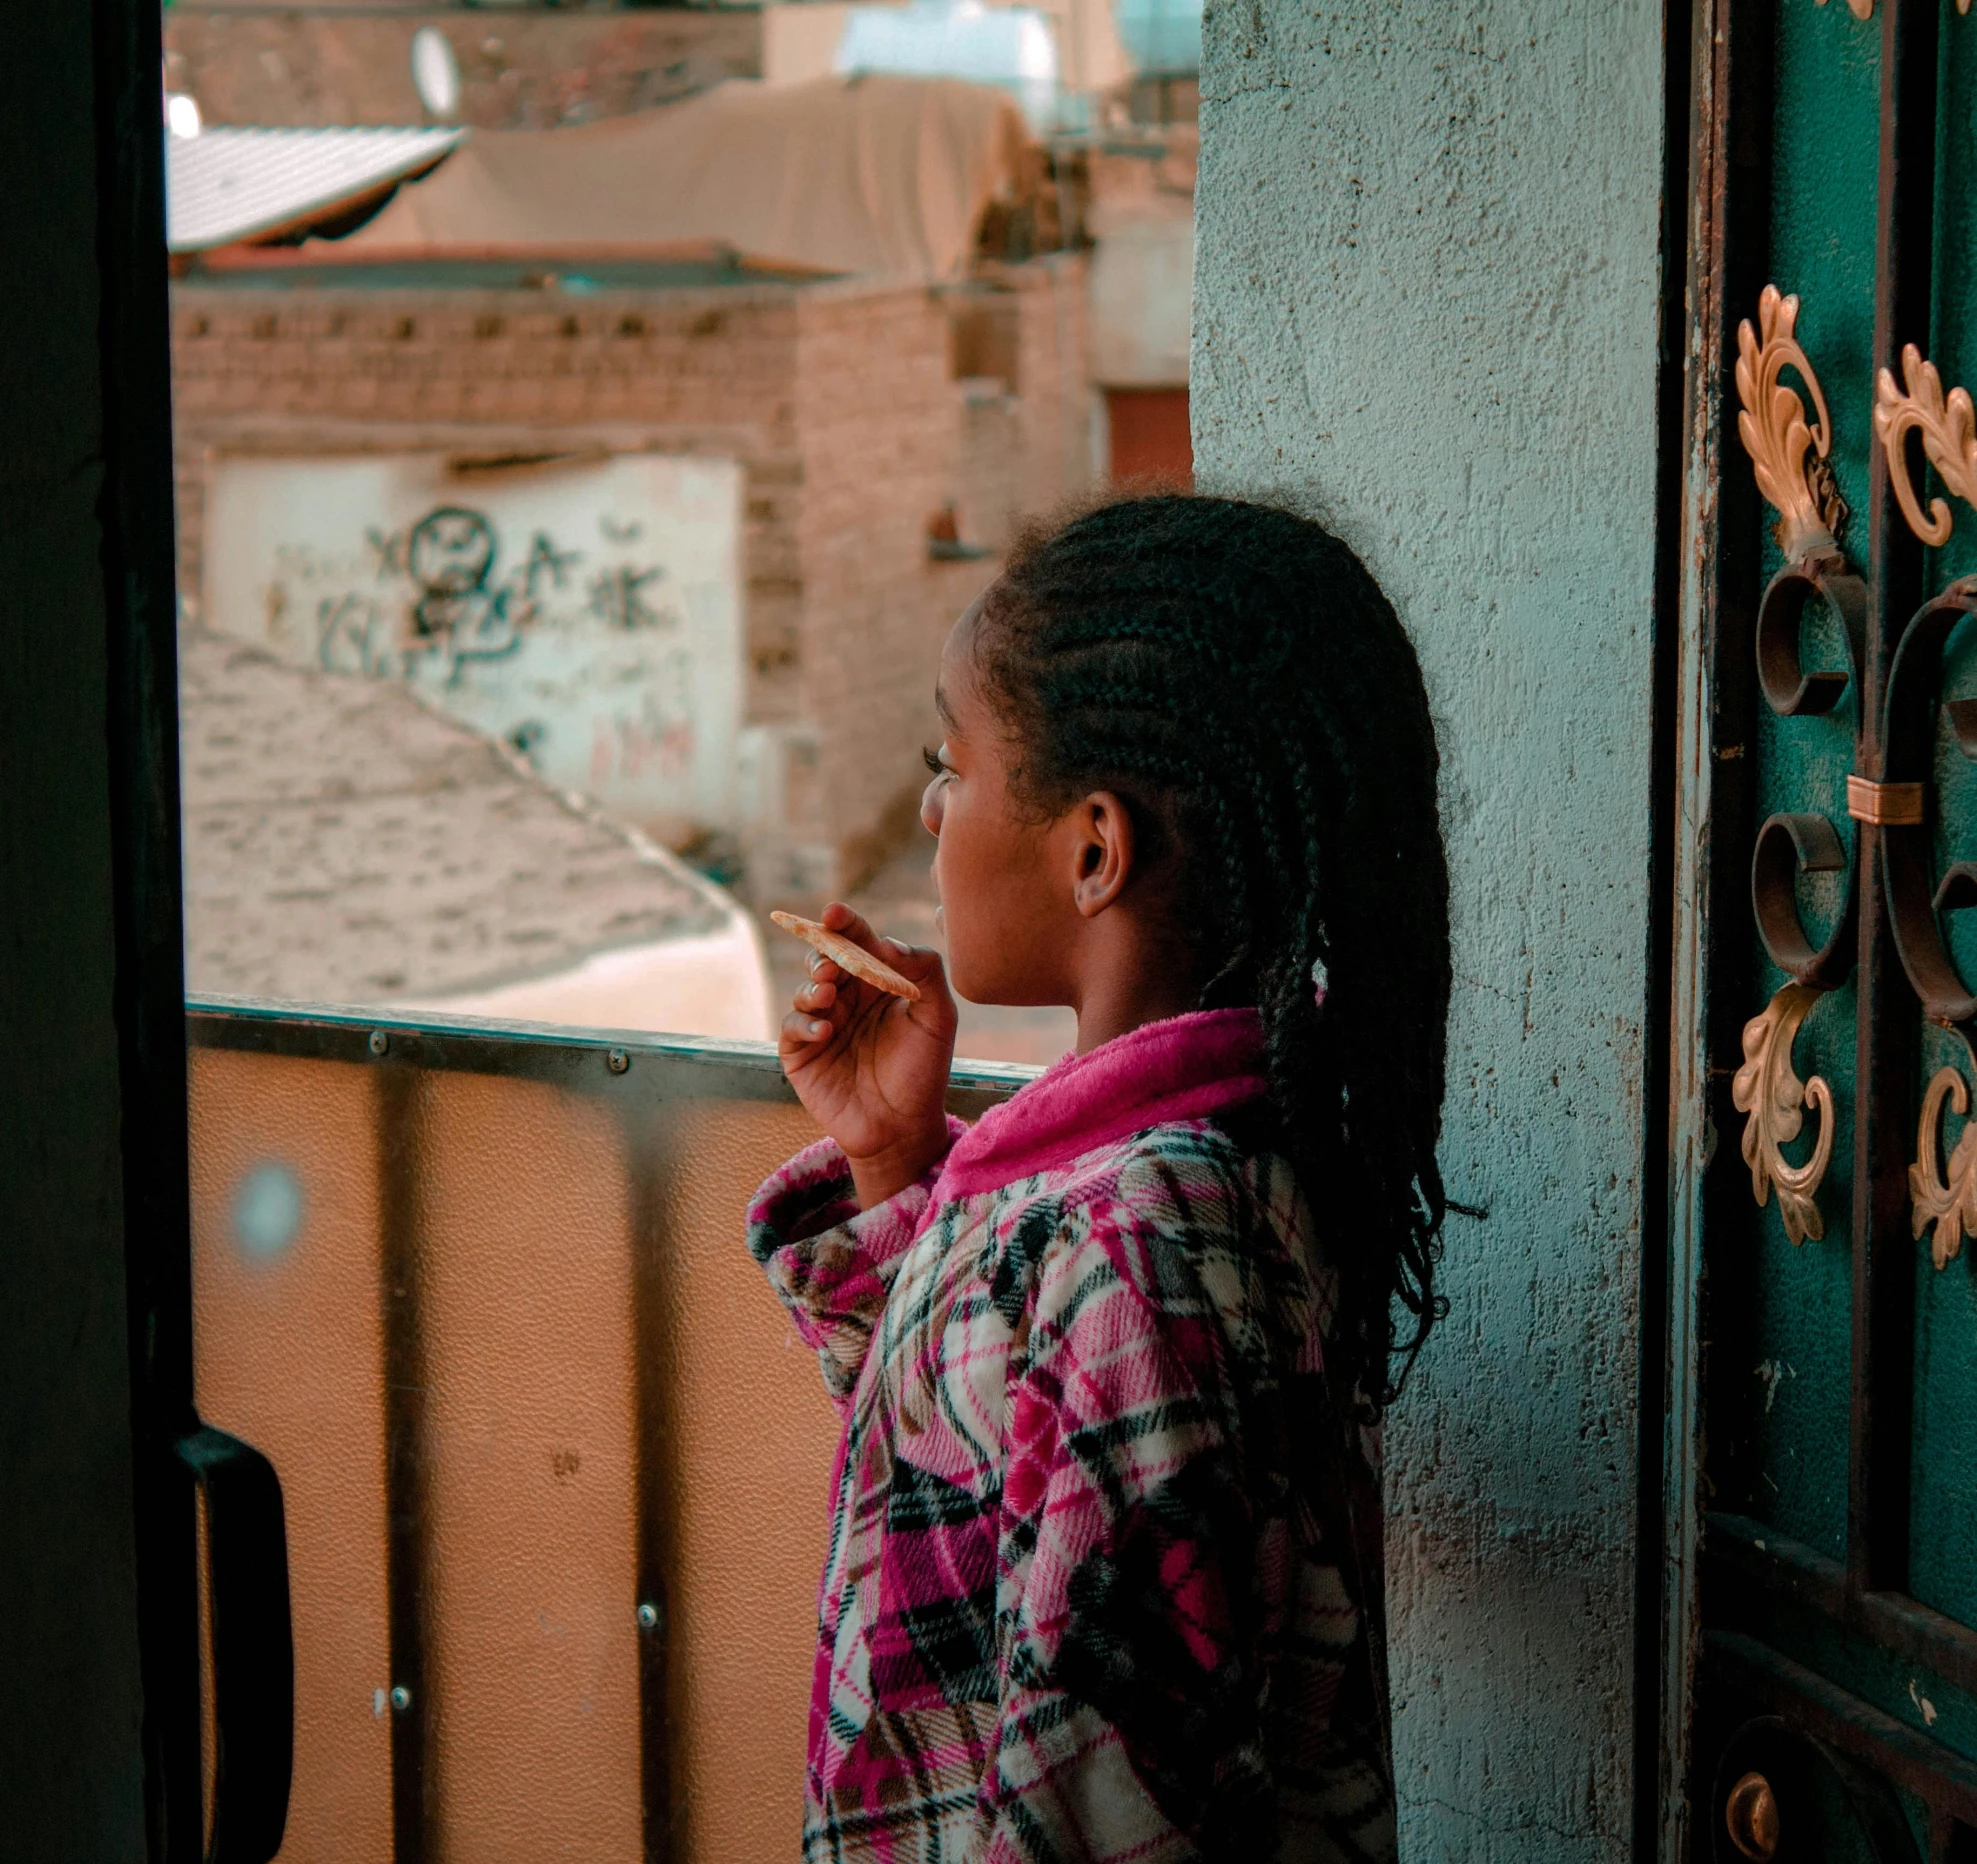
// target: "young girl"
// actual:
[[1104, 1578]]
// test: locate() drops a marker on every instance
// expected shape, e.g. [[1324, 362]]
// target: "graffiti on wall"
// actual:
[[590, 616]]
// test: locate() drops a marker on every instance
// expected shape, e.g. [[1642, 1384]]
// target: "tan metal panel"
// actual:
[[289, 1356], [581, 1337], [747, 1441], [525, 1316]]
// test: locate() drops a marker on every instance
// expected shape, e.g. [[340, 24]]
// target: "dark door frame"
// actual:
[[1715, 582], [99, 1698]]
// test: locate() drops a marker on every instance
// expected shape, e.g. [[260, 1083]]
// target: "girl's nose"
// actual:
[[931, 806]]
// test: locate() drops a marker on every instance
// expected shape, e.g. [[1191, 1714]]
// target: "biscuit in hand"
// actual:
[[852, 959]]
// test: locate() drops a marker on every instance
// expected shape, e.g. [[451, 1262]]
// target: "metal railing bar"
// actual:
[[576, 1057], [655, 1478], [399, 1134]]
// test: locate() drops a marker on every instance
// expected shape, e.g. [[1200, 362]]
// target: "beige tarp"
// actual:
[[799, 40], [876, 174]]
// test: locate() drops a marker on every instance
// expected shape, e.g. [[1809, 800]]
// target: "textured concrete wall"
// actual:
[[1426, 307]]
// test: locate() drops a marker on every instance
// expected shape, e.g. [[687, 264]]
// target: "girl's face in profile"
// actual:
[[1000, 873]]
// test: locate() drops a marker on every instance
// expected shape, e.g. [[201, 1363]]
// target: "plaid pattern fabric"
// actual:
[[1091, 1593]]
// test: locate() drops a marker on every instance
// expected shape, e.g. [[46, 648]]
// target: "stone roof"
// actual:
[[345, 843]]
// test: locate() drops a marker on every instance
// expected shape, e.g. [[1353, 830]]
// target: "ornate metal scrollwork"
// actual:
[[1864, 9], [1946, 424], [1945, 1203], [1947, 427], [1788, 454], [1948, 1203], [1773, 1098]]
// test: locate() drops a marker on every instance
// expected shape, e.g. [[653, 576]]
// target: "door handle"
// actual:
[[251, 1648]]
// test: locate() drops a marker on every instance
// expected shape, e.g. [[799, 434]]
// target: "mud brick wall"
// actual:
[[1053, 386], [488, 375], [880, 432], [517, 70], [1020, 340], [838, 400]]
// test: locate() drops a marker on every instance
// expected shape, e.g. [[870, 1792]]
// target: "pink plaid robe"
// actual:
[[1093, 1591]]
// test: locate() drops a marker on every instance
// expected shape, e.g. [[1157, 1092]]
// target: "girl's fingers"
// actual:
[[839, 918], [818, 996], [800, 1031], [918, 963]]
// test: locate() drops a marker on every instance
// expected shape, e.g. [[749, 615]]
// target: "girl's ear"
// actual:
[[1103, 851]]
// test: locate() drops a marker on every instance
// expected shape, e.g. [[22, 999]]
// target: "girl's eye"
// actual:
[[932, 761]]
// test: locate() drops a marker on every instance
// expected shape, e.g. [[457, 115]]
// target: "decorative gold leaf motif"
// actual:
[[1950, 1203], [1766, 1089], [1787, 454], [1948, 426], [1864, 9]]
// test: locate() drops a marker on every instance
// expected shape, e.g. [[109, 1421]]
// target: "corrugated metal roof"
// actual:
[[233, 184]]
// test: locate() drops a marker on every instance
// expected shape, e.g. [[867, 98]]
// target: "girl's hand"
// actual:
[[871, 1067]]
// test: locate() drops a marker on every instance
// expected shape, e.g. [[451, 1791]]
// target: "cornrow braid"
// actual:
[[1234, 673]]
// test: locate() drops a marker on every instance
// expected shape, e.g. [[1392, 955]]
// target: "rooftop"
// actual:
[[224, 185], [309, 269], [345, 843]]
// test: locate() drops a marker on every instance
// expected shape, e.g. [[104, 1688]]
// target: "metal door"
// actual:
[[1831, 774]]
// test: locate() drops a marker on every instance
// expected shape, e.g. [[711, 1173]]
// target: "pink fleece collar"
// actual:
[[1183, 1068]]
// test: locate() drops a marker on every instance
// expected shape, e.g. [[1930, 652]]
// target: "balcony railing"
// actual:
[[555, 1465]]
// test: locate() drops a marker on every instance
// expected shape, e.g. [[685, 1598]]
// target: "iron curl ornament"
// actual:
[[1789, 447], [1917, 900], [1946, 426]]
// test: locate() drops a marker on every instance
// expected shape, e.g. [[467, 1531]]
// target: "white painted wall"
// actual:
[[1425, 307], [590, 610]]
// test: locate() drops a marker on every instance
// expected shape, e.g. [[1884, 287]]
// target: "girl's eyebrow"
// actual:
[[941, 706]]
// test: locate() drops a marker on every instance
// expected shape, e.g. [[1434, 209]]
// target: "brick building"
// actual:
[[855, 409], [519, 69]]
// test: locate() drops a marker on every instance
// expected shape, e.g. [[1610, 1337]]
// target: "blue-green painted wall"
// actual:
[[1426, 307]]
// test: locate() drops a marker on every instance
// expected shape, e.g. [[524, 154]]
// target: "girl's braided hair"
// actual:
[[1237, 677]]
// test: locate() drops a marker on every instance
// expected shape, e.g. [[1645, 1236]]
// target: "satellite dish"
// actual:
[[436, 72], [182, 114]]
